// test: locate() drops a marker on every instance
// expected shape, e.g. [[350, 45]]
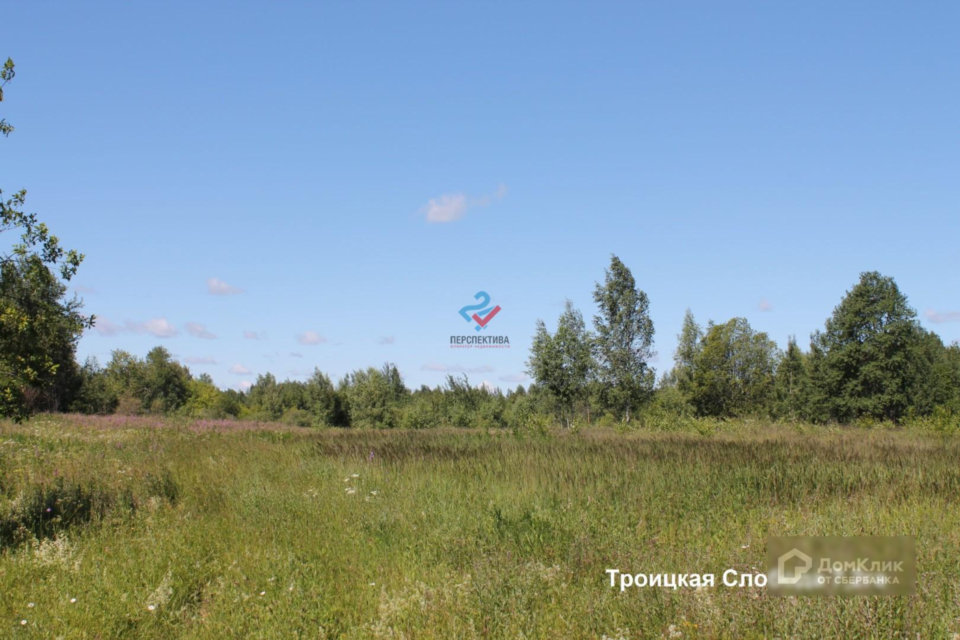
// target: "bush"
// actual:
[[299, 418]]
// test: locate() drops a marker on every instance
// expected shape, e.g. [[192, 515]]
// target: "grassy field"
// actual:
[[117, 527]]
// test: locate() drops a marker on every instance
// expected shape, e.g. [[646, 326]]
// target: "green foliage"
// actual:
[[943, 420], [95, 393], [39, 329], [562, 363], [205, 400], [872, 356], [298, 418], [732, 371], [670, 410], [372, 397], [322, 401], [792, 384], [688, 348], [157, 384], [624, 340]]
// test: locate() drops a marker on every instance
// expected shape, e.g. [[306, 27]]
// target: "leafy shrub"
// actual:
[[298, 418]]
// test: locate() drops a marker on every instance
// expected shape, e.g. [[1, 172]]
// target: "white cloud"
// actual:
[[764, 305], [514, 377], [446, 208], [240, 370], [310, 337], [255, 335], [487, 386], [82, 289], [157, 327], [938, 317], [244, 385], [450, 207], [200, 360], [294, 354], [455, 368], [217, 287], [387, 340], [106, 328], [198, 330]]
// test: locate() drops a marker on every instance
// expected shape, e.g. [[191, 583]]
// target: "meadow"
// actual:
[[158, 528]]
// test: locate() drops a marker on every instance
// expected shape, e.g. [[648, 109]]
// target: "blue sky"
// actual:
[[361, 170]]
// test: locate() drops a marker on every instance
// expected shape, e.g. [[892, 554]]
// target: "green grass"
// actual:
[[251, 532]]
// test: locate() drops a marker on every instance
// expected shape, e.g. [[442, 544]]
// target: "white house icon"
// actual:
[[797, 572]]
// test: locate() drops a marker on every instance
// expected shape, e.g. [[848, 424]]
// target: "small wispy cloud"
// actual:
[[938, 317], [310, 338], [487, 386], [446, 208], [200, 360], [198, 330], [455, 368], [294, 354], [244, 385], [515, 378], [157, 327], [387, 340], [240, 370], [82, 289], [764, 305], [217, 287], [450, 207], [255, 335]]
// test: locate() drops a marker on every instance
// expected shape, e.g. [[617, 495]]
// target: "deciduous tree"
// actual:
[[624, 340]]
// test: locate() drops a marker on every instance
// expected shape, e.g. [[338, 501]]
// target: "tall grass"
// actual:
[[160, 529]]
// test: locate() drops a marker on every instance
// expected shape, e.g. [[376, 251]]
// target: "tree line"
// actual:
[[872, 361]]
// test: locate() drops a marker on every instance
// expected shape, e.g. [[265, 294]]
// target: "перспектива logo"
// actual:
[[480, 316], [482, 313]]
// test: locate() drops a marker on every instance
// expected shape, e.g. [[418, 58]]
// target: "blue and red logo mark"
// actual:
[[482, 313]]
